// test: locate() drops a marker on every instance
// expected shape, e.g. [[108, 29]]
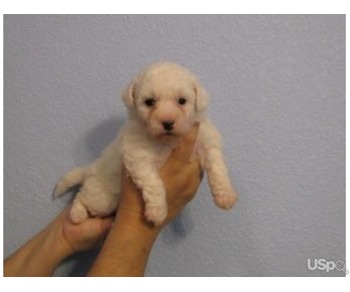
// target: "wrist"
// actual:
[[127, 246], [55, 243], [39, 256], [137, 222]]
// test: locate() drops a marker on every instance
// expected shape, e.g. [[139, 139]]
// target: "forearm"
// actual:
[[38, 257], [127, 247], [130, 241]]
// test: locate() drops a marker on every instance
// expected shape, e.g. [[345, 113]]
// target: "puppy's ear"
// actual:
[[202, 97], [129, 95]]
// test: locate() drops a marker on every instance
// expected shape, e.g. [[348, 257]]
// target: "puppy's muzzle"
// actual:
[[168, 125]]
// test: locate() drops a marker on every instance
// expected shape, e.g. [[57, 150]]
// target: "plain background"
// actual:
[[278, 96]]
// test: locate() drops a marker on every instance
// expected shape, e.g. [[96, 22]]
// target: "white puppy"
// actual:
[[164, 101]]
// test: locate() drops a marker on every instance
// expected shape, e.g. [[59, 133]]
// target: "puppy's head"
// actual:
[[168, 99]]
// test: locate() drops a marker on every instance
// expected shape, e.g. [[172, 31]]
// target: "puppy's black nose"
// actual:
[[168, 125]]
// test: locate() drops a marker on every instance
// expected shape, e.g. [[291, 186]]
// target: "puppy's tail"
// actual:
[[69, 181]]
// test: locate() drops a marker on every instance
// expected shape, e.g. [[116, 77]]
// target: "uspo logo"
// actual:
[[324, 265]]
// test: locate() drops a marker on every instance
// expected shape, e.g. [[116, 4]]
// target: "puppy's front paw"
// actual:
[[156, 214], [226, 200]]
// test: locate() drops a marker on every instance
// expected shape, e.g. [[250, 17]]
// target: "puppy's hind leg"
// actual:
[[96, 198], [78, 212]]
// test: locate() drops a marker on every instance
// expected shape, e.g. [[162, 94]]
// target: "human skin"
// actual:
[[130, 239]]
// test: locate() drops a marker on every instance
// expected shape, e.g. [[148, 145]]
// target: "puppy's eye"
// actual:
[[182, 100], [150, 102]]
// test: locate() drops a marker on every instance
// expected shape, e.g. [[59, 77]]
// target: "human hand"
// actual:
[[61, 238], [84, 236], [129, 243], [181, 178]]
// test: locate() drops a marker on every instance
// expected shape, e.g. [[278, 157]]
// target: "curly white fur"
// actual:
[[164, 101]]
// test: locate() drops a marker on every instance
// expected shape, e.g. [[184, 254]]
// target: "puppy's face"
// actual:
[[166, 105], [167, 99]]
